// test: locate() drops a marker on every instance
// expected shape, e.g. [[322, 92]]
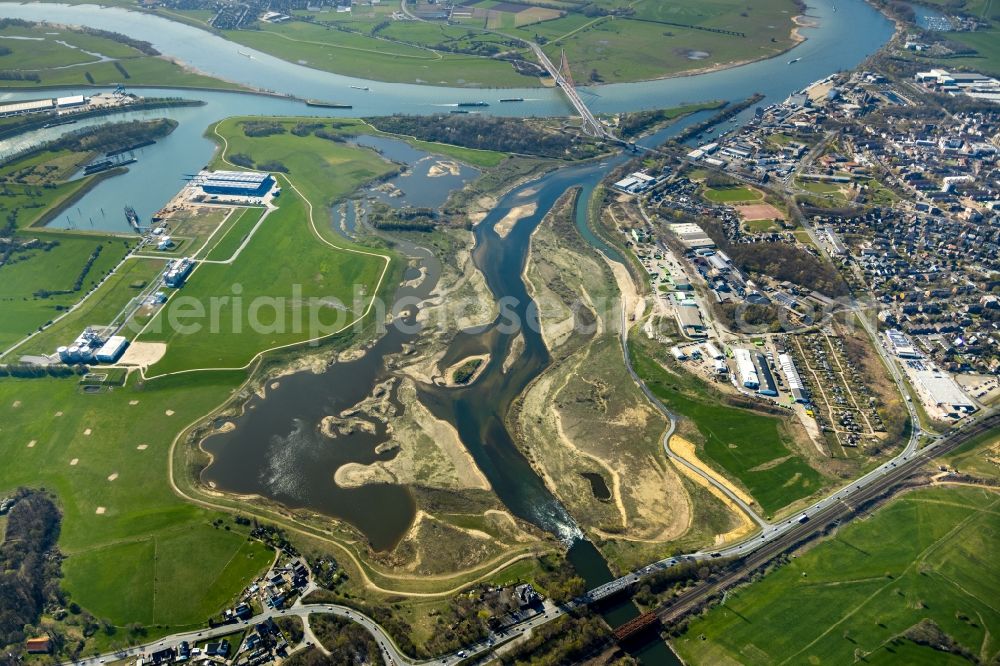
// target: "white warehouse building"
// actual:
[[791, 373], [746, 372]]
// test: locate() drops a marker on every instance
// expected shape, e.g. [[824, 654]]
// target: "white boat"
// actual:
[[361, 88], [245, 54], [793, 61]]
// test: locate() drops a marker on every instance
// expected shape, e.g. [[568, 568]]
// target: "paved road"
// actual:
[[390, 652]]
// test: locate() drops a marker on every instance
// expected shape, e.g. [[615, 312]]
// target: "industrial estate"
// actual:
[[352, 332]]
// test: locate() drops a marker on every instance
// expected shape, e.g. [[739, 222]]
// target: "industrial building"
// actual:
[[679, 353], [939, 389], [177, 272], [37, 105], [767, 386], [692, 236], [901, 345], [690, 320], [112, 350], [235, 183], [746, 373], [635, 183], [795, 384], [91, 346], [713, 352]]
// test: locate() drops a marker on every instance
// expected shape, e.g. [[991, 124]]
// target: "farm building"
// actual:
[[235, 183], [745, 370]]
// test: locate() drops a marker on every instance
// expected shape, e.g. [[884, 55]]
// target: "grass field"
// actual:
[[121, 521], [239, 228], [986, 43], [928, 555], [379, 59], [273, 308], [99, 309], [21, 311], [660, 39], [751, 448], [737, 194], [665, 38], [64, 57]]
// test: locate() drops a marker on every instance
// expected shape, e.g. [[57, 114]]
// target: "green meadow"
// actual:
[[99, 309], [752, 448], [928, 556], [404, 58], [36, 50], [260, 302], [243, 222], [134, 550], [22, 307]]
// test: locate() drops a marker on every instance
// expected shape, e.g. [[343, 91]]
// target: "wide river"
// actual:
[[276, 433]]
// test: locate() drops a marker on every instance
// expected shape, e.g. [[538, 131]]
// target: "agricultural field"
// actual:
[[672, 37], [986, 44], [334, 273], [919, 571], [42, 55], [756, 450]]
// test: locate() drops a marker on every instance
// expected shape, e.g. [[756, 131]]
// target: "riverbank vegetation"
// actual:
[[42, 54], [583, 423], [913, 583], [538, 138], [638, 123]]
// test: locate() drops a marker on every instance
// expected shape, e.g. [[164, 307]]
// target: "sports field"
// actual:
[[752, 448], [737, 194], [867, 593]]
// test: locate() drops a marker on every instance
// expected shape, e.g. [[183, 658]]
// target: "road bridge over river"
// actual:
[[591, 125]]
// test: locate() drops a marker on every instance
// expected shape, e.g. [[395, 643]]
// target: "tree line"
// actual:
[[506, 135]]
